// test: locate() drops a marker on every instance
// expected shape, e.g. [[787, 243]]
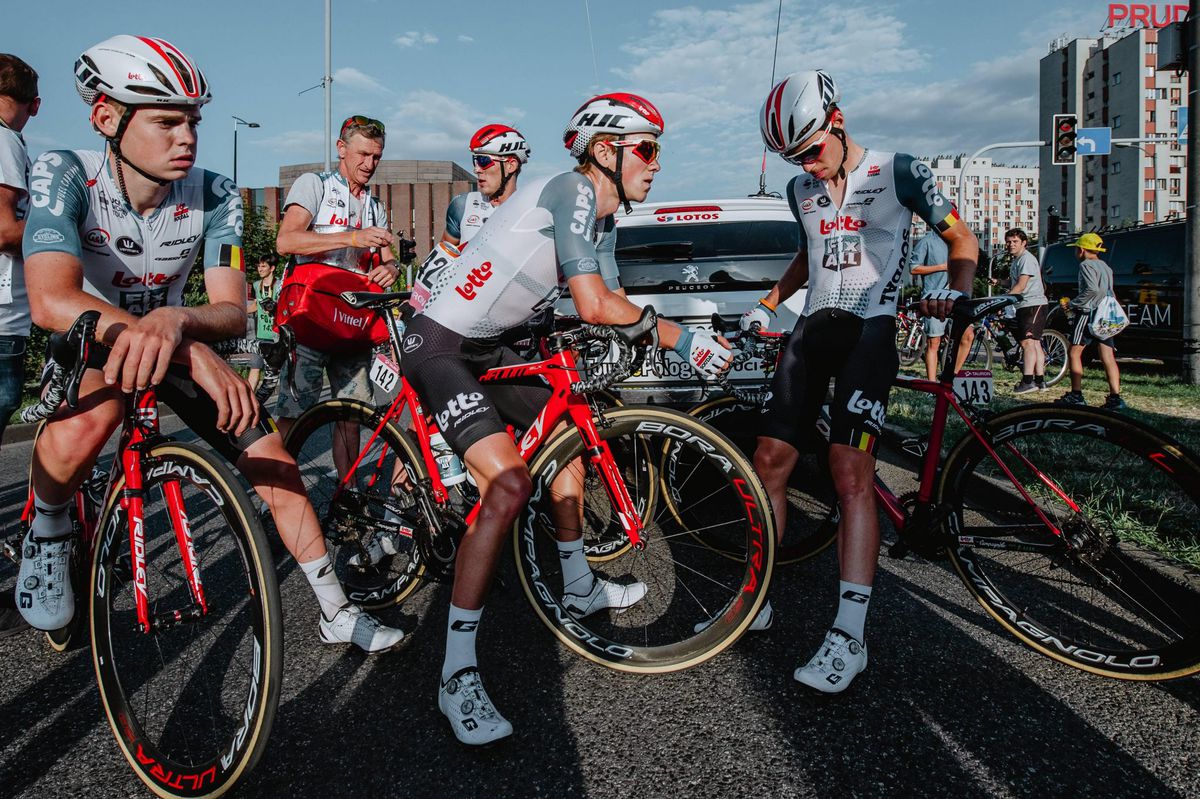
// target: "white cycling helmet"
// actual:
[[797, 107], [500, 141], [140, 70], [618, 113]]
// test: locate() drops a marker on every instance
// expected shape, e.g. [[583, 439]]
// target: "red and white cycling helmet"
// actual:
[[798, 106], [618, 113], [500, 141], [140, 70]]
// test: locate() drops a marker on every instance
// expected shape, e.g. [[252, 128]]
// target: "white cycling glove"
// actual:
[[934, 295], [761, 314], [707, 356]]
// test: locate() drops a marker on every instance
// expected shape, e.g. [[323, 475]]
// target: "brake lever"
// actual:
[[83, 334]]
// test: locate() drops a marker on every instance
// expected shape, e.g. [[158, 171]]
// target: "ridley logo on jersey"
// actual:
[[476, 278]]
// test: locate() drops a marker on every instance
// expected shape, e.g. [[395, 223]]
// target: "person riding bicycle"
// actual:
[[552, 233], [497, 154], [118, 232], [854, 207]]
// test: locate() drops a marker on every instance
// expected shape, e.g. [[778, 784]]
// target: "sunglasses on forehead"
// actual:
[[645, 149], [360, 121]]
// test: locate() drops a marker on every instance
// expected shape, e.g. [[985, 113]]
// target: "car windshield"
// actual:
[[723, 255]]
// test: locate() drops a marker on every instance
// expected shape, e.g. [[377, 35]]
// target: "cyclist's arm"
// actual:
[[597, 304], [794, 278], [454, 214], [917, 190], [606, 254]]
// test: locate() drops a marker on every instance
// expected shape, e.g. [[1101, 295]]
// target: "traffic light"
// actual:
[[407, 250], [1064, 139], [1053, 222]]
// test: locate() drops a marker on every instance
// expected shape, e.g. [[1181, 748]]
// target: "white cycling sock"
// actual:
[[49, 521], [325, 585], [460, 640], [577, 572], [852, 608]]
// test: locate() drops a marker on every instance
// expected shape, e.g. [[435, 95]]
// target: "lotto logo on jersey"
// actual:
[[476, 279], [842, 223], [121, 280]]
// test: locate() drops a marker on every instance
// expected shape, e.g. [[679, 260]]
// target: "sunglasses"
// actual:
[[645, 149], [812, 153], [360, 121], [485, 161]]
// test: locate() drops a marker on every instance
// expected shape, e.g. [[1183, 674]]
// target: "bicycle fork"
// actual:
[[600, 456]]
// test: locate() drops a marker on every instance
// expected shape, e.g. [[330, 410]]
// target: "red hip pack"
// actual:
[[310, 303]]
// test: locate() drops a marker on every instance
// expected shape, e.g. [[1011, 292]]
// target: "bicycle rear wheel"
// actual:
[[910, 342], [811, 525], [191, 702], [690, 584], [1118, 591], [1056, 345], [370, 522]]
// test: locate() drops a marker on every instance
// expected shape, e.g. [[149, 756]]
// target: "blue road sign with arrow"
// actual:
[[1093, 141]]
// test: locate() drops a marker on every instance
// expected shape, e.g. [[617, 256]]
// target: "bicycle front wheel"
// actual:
[[1109, 580], [1056, 345], [191, 700], [697, 599]]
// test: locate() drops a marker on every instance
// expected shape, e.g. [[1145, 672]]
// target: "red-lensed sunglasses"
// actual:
[[485, 161], [645, 149], [812, 153], [360, 121]]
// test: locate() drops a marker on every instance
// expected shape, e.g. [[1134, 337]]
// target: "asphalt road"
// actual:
[[950, 706]]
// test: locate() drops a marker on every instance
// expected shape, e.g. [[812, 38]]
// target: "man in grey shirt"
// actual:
[[1095, 283], [1025, 278]]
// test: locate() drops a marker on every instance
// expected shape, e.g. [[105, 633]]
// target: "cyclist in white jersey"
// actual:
[[855, 208], [550, 233], [497, 154], [118, 232]]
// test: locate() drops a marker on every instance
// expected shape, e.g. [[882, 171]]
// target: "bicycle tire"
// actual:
[[227, 660], [350, 518], [690, 586], [1055, 345], [811, 525], [1123, 599], [981, 354], [910, 354]]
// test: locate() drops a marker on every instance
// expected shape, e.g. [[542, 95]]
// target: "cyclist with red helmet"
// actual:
[[854, 207], [497, 154], [118, 232], [551, 234]]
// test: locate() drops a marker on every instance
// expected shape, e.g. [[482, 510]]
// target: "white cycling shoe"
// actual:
[[353, 625], [839, 660], [473, 718], [604, 595], [762, 622], [381, 545], [43, 593]]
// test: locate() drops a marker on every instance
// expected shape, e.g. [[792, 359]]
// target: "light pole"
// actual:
[[236, 122]]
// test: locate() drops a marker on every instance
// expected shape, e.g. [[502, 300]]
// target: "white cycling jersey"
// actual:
[[858, 253], [133, 262], [466, 215], [518, 264]]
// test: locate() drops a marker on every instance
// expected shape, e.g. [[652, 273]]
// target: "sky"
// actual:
[[921, 77]]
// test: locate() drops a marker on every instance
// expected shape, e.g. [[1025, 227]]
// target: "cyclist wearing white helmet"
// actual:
[[552, 233], [118, 232], [854, 208], [497, 154]]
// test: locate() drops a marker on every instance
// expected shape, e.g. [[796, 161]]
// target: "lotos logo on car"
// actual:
[[475, 280], [842, 223], [96, 237], [706, 216]]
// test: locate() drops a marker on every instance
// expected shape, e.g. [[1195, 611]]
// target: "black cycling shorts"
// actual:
[[859, 355], [1081, 333], [196, 409], [1031, 322], [443, 368]]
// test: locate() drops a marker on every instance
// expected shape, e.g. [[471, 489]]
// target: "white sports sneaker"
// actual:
[[472, 715], [604, 594], [763, 621], [43, 593], [381, 544], [353, 625], [839, 660]]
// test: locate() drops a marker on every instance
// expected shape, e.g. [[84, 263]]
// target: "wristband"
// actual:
[[353, 234], [683, 346], [763, 302]]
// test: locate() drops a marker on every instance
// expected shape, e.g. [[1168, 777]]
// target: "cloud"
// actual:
[[428, 124], [465, 39], [356, 79], [292, 146], [416, 39]]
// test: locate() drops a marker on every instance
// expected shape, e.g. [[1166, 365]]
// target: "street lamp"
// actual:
[[236, 122]]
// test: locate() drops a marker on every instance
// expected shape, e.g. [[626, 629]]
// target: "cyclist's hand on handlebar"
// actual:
[[938, 303], [758, 317], [142, 352], [237, 410], [709, 355]]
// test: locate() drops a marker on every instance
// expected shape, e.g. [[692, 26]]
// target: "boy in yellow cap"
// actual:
[[1095, 283]]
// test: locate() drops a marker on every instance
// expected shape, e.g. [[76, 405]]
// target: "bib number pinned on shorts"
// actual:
[[974, 386], [384, 372]]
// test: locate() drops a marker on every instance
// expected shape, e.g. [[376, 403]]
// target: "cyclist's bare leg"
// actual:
[[1108, 360], [273, 473], [567, 490], [345, 446], [504, 488], [964, 348], [774, 461], [72, 440], [853, 473], [1075, 362], [933, 343]]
